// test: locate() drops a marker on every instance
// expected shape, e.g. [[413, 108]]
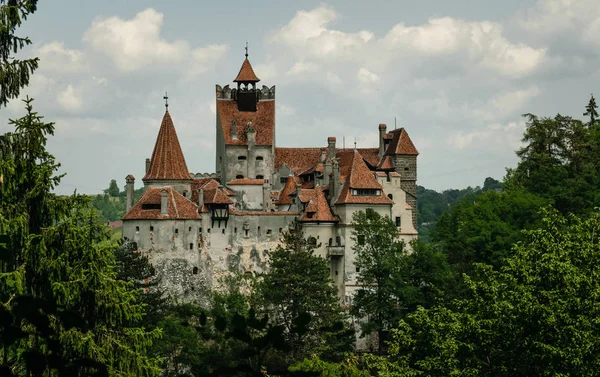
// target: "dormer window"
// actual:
[[366, 192]]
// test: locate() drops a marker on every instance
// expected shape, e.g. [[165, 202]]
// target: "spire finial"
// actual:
[[166, 98], [355, 145], [246, 49]]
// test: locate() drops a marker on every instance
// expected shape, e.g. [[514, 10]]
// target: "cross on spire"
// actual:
[[246, 49], [166, 98]]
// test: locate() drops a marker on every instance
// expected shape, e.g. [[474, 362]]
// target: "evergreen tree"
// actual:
[[590, 110], [298, 283], [113, 189], [14, 73], [63, 308]]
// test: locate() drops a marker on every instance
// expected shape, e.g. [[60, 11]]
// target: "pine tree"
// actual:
[[62, 307], [14, 73], [590, 110]]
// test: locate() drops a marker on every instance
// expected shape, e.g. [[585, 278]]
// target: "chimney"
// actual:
[[323, 154], [298, 197], [164, 204], [147, 165], [382, 129], [267, 196], [200, 198], [331, 147], [334, 185], [129, 181]]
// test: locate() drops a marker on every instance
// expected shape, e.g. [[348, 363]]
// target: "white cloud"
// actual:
[[69, 100], [204, 57], [303, 67], [285, 110], [497, 136], [505, 104], [366, 76], [134, 43], [55, 57]]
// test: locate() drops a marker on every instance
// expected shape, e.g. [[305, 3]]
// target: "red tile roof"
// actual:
[[167, 161], [346, 197], [306, 195], [179, 208], [305, 160], [385, 163], [246, 73], [288, 189], [215, 196], [130, 177], [263, 121], [246, 181], [361, 177], [401, 143], [262, 213], [318, 209]]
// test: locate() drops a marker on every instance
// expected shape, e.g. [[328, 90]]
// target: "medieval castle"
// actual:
[[197, 228]]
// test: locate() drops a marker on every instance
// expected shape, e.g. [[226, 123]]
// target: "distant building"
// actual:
[[197, 228]]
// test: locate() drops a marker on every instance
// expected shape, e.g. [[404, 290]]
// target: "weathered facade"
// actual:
[[198, 228]]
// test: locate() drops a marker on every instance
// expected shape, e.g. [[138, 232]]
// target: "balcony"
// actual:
[[335, 251]]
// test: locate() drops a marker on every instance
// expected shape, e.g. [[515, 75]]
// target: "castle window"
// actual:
[[208, 230], [239, 176], [259, 231], [185, 194], [336, 273], [398, 221], [176, 231], [189, 229], [391, 196], [366, 192], [246, 232], [260, 177], [151, 206], [223, 231], [405, 169], [337, 240], [241, 158], [151, 228], [137, 228], [200, 230], [235, 230], [269, 232], [195, 271], [312, 241], [331, 242], [259, 158], [191, 246], [282, 179], [280, 230]]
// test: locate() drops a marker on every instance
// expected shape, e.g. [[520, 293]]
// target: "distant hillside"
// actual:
[[431, 204]]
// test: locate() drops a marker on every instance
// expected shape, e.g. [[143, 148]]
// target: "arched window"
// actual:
[[330, 242], [391, 196], [195, 270], [312, 241]]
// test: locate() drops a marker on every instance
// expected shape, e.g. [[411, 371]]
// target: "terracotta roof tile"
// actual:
[[288, 189], [308, 185], [306, 195], [263, 121], [400, 144], [246, 73], [305, 160], [215, 196], [318, 209], [130, 177], [167, 162], [361, 177], [346, 197], [394, 174], [385, 163], [262, 213], [179, 207], [246, 181]]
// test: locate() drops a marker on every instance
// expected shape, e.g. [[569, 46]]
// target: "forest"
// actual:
[[504, 280]]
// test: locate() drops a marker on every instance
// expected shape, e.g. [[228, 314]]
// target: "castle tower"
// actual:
[[404, 157], [245, 136], [167, 166]]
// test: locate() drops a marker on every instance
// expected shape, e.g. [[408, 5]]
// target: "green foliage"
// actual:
[[66, 312], [299, 282], [536, 316], [315, 367], [113, 189], [591, 110], [14, 73], [112, 207]]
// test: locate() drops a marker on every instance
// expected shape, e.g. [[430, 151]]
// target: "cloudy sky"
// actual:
[[456, 74]]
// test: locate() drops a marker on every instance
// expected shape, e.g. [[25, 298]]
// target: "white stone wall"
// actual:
[[249, 197]]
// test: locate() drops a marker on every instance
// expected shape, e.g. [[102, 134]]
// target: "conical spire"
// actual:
[[167, 161], [361, 177], [246, 73]]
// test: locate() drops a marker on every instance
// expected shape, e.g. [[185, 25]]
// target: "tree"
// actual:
[[14, 73], [536, 316], [381, 260], [299, 283], [590, 110], [113, 189], [66, 311]]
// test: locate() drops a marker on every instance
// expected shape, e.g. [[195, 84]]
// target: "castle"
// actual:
[[198, 228]]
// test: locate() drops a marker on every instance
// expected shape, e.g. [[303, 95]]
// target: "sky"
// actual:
[[457, 75]]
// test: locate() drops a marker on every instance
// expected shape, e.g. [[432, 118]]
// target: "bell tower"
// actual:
[[246, 95]]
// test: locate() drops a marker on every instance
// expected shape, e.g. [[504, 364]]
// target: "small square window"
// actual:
[[176, 231], [190, 229], [336, 273], [398, 221], [280, 230], [191, 246], [269, 232], [151, 228], [200, 230], [223, 231], [137, 228], [235, 230], [208, 230]]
